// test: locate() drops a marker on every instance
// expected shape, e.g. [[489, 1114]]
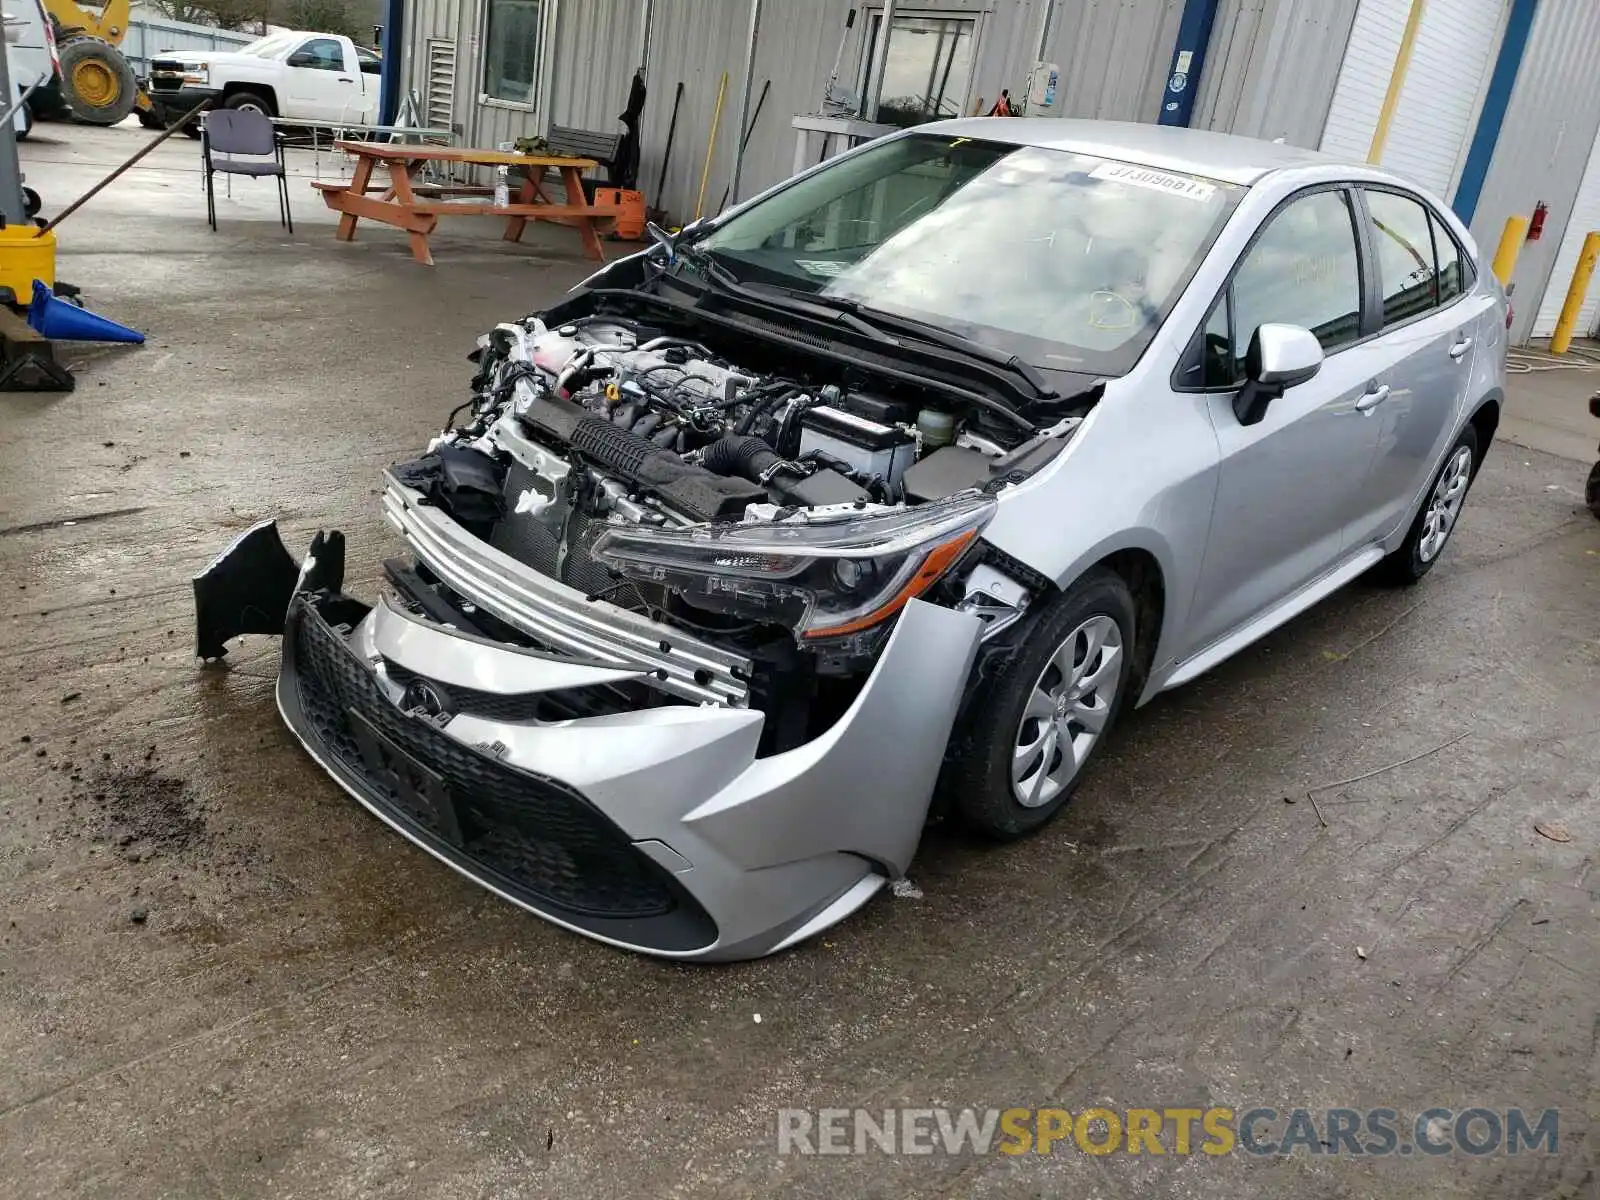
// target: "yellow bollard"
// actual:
[[1505, 256], [1561, 342]]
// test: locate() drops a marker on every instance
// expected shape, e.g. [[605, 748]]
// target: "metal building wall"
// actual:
[[1544, 144], [1113, 56], [1271, 67], [425, 21]]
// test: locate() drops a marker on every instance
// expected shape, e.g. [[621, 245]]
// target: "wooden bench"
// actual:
[[584, 143]]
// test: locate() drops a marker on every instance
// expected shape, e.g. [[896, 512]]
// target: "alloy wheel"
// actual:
[[1067, 711], [1444, 506]]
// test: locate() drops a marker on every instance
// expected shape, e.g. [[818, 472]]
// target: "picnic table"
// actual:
[[397, 202]]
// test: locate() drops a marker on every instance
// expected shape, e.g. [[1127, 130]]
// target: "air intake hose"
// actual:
[[752, 458]]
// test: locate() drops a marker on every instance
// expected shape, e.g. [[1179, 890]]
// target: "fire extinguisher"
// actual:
[[1536, 226]]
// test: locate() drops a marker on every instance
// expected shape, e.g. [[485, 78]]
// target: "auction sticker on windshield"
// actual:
[[1157, 181]]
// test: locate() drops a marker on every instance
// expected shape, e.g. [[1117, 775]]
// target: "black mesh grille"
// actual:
[[527, 835], [530, 541], [518, 534]]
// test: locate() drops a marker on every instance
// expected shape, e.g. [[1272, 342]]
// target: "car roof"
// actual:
[[1223, 156]]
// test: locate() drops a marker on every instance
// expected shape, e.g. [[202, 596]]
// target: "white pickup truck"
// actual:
[[318, 78]]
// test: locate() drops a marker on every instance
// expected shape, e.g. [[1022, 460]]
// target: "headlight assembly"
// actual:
[[824, 578]]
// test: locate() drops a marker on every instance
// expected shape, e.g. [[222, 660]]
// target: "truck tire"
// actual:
[[96, 81], [249, 102], [27, 126]]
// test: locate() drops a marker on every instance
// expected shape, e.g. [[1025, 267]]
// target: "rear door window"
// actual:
[[1454, 276], [1407, 271]]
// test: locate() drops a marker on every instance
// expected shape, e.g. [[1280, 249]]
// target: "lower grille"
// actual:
[[563, 704], [529, 836]]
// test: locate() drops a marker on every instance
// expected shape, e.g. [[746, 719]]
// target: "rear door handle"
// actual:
[[1373, 398], [1460, 348]]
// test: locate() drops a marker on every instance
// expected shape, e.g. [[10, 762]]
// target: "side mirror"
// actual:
[[1280, 357], [302, 58]]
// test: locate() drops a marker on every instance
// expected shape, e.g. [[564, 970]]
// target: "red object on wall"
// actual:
[[1536, 226]]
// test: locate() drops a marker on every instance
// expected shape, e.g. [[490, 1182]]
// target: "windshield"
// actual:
[[1068, 261], [268, 46]]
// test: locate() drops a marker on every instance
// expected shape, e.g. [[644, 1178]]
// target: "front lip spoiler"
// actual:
[[562, 617]]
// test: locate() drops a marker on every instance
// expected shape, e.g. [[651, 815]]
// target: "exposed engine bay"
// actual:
[[783, 513]]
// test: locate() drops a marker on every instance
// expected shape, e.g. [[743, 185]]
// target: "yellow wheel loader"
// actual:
[[97, 83]]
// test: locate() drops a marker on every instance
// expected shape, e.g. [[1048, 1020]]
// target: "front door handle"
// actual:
[[1373, 398], [343, 79], [1460, 348]]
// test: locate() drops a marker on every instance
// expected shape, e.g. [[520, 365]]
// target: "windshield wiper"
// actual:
[[937, 335]]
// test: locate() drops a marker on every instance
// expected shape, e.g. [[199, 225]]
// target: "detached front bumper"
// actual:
[[657, 828]]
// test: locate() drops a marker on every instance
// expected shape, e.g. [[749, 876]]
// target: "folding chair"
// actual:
[[228, 134]]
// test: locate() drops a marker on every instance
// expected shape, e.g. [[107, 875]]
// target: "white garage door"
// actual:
[[1450, 65], [1585, 216]]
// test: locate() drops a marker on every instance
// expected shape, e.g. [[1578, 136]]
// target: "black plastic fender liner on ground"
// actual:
[[249, 586]]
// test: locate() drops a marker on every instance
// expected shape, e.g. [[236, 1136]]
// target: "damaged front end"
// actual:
[[677, 650]]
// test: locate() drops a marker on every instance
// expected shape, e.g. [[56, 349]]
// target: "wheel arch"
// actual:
[[1485, 419], [265, 90], [1140, 569]]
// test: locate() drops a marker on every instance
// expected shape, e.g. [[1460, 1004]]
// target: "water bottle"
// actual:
[[502, 186]]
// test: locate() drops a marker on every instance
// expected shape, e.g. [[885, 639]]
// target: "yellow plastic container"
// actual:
[[24, 258]]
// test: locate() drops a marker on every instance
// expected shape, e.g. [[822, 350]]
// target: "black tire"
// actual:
[[192, 129], [977, 779], [249, 100], [27, 124], [89, 60], [1591, 491], [149, 118], [31, 204], [1410, 561]]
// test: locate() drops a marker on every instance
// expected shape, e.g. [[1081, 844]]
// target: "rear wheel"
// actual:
[[1436, 521], [27, 125], [96, 81], [1038, 722], [1591, 493]]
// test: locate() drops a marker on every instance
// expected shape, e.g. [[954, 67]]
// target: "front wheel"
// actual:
[[1436, 521], [248, 102], [1591, 492], [96, 81], [1037, 723]]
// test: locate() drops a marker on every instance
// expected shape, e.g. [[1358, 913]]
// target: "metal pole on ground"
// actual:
[[1561, 342], [11, 203], [744, 98]]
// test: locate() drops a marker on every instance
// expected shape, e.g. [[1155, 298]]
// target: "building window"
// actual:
[[927, 70], [511, 51]]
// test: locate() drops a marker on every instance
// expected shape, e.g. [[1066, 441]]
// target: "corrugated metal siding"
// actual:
[[433, 20], [597, 48], [1113, 56], [1544, 143], [1271, 68], [1585, 217], [1450, 66]]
